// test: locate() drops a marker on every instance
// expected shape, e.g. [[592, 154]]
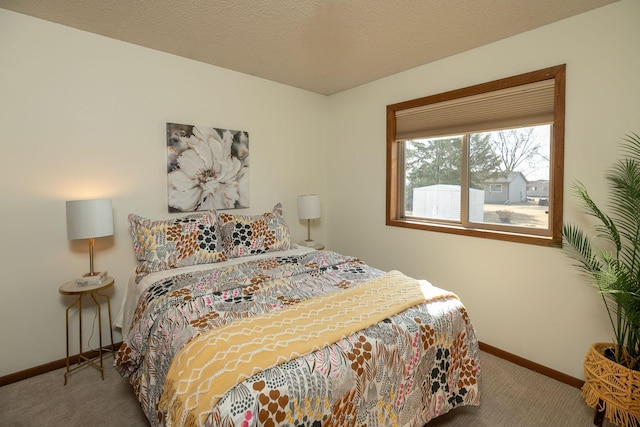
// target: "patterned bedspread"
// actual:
[[405, 370]]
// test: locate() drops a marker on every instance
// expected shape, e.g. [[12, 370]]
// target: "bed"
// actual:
[[225, 322]]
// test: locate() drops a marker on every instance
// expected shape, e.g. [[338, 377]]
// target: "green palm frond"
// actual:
[[610, 258], [580, 248], [625, 184], [631, 145], [607, 229]]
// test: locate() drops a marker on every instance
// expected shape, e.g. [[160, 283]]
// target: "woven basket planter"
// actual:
[[612, 388]]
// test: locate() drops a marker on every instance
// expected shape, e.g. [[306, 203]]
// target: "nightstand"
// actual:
[[72, 288]]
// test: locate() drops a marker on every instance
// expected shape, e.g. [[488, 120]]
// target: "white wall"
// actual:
[[83, 116], [539, 307]]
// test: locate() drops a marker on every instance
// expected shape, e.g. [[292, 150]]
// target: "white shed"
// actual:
[[443, 202]]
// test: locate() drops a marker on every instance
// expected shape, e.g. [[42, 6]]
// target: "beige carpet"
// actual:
[[511, 397]]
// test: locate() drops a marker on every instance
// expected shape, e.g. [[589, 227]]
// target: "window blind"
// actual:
[[524, 105]]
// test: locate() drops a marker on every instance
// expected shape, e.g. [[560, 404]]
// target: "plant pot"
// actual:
[[610, 388]]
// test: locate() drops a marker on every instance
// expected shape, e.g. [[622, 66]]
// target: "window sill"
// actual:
[[519, 237]]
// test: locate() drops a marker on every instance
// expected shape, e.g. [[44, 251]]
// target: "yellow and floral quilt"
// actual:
[[399, 369]]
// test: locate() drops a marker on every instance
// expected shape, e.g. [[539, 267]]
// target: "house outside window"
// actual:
[[485, 161]]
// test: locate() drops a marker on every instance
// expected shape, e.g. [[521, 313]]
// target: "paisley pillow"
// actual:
[[177, 242], [244, 235]]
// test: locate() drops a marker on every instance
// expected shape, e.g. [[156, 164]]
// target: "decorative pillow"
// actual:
[[254, 234], [177, 242]]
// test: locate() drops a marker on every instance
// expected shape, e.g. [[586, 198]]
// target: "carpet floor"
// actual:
[[511, 396]]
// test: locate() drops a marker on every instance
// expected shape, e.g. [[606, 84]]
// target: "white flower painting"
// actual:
[[207, 168]]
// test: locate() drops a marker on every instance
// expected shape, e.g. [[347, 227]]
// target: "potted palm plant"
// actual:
[[609, 256]]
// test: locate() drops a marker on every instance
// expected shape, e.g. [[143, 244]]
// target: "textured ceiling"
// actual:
[[324, 46]]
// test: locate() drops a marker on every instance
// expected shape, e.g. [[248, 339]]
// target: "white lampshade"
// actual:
[[309, 206], [89, 218]]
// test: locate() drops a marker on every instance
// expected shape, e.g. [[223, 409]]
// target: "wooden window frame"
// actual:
[[395, 170]]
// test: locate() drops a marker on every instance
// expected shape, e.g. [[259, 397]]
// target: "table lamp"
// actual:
[[309, 208], [89, 219]]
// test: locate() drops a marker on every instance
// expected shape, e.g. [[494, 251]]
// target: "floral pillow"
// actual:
[[244, 235], [178, 242]]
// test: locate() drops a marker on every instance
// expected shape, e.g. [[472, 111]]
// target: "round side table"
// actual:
[[72, 288]]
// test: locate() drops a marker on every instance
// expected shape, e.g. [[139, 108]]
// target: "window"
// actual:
[[484, 161]]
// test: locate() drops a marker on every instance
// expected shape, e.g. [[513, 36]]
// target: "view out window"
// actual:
[[485, 161]]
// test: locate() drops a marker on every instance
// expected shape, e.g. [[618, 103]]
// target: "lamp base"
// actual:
[[312, 244], [97, 278]]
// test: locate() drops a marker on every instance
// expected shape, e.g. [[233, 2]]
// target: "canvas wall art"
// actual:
[[207, 168]]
